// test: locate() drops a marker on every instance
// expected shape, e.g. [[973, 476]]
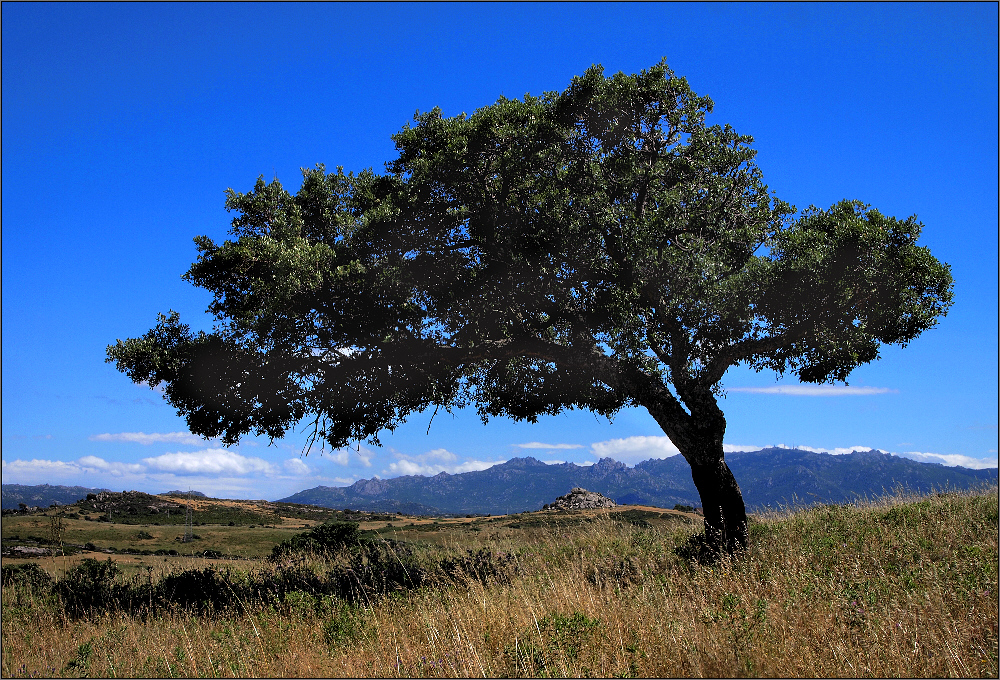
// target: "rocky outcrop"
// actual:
[[580, 499]]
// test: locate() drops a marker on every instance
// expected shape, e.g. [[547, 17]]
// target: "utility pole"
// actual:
[[188, 517]]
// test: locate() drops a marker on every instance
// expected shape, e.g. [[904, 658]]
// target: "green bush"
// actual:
[[556, 639], [344, 628], [322, 540], [201, 589], [89, 586], [482, 565], [26, 575]]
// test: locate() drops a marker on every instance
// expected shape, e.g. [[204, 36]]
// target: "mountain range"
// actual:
[[43, 495], [772, 477]]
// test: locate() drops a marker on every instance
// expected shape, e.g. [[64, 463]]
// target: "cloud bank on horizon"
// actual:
[[68, 417], [228, 473]]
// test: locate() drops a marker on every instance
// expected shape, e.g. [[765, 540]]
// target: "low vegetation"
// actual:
[[903, 586]]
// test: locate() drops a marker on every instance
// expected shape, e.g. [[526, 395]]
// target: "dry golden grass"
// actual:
[[903, 587]]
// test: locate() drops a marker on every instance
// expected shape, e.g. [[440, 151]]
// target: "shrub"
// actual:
[[555, 639], [89, 586], [375, 569], [345, 627], [483, 565], [322, 540], [26, 575], [200, 589]]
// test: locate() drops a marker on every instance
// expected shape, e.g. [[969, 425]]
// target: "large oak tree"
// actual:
[[596, 248]]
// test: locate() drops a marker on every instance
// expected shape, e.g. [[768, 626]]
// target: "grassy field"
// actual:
[[903, 586]]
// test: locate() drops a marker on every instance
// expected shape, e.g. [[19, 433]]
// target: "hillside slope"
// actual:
[[770, 477]]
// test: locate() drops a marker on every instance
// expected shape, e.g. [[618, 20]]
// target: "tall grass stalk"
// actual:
[[905, 586]]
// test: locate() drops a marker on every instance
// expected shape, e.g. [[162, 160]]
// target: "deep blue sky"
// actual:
[[124, 124]]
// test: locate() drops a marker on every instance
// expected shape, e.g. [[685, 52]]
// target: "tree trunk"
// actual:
[[698, 436], [722, 502]]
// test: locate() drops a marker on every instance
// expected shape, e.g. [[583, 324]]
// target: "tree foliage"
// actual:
[[594, 248]]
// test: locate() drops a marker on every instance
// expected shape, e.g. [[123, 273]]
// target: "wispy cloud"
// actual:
[[96, 464], [634, 449], [434, 462], [836, 451], [407, 467], [217, 472], [340, 456], [209, 461], [947, 459], [343, 456], [30, 468], [296, 467], [551, 447], [152, 438], [41, 471], [814, 390], [953, 459], [740, 448]]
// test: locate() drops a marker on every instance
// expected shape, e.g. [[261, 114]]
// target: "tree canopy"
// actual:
[[594, 248]]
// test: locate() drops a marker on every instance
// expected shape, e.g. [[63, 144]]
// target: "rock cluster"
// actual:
[[580, 499]]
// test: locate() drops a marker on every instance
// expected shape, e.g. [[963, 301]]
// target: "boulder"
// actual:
[[580, 499]]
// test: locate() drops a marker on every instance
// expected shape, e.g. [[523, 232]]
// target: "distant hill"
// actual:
[[42, 495], [770, 477], [195, 494]]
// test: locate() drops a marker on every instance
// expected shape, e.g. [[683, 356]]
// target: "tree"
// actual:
[[596, 248]]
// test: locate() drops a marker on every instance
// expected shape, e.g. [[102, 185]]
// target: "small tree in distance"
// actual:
[[596, 248]]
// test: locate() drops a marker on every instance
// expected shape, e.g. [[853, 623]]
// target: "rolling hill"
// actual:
[[770, 477]]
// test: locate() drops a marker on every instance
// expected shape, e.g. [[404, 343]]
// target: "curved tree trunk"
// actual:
[[725, 513], [698, 436]]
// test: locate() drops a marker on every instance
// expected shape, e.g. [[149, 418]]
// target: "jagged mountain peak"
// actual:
[[522, 462], [609, 465], [769, 477]]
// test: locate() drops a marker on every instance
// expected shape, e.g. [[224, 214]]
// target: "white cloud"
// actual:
[[475, 465], [439, 454], [18, 467], [96, 464], [92, 469], [434, 462], [739, 448], [813, 390], [946, 459], [409, 467], [837, 451], [635, 449], [340, 456], [153, 437], [436, 454], [159, 388], [343, 456], [542, 445], [209, 461], [952, 459], [295, 466]]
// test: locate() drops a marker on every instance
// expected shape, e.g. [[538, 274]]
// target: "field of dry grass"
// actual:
[[905, 586]]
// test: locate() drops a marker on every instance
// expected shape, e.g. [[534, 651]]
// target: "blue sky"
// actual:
[[123, 124]]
